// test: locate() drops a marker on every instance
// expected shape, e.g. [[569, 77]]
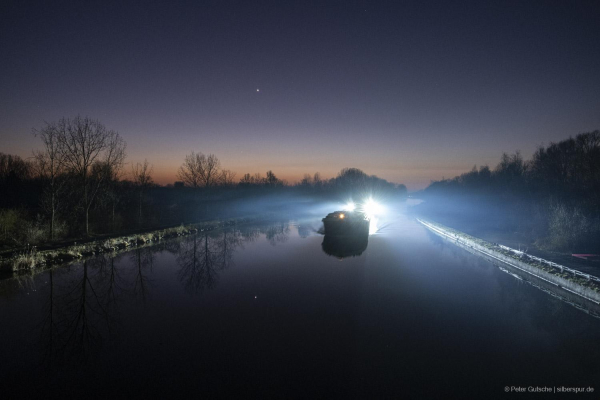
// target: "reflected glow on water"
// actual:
[[264, 309], [373, 225]]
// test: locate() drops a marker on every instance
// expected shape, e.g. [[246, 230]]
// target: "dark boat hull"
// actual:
[[342, 246], [346, 226]]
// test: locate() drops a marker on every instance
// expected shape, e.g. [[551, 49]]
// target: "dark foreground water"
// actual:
[[262, 311]]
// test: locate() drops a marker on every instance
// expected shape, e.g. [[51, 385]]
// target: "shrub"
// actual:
[[9, 221], [569, 227], [33, 232]]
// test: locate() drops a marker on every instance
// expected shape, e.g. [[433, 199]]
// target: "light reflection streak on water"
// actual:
[[197, 281], [373, 224]]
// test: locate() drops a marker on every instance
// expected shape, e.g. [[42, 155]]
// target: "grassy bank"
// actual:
[[518, 257], [32, 258]]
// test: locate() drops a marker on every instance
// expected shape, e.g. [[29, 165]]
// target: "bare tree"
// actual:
[[272, 180], [13, 167], [88, 148], [113, 197], [49, 165], [307, 181], [227, 177], [246, 179], [258, 179], [190, 170], [317, 182], [212, 170], [142, 177], [199, 170]]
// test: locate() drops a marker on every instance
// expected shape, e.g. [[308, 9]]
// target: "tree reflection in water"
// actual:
[[304, 231], [277, 233], [81, 309], [250, 234], [202, 256], [49, 327], [143, 260]]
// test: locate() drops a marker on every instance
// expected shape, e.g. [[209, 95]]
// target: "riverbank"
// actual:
[[35, 259], [577, 282], [494, 228]]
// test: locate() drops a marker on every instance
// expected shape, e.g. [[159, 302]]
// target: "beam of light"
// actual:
[[373, 225], [342, 216], [350, 206], [372, 209]]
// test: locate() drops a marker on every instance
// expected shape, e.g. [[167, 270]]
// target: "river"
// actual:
[[263, 311]]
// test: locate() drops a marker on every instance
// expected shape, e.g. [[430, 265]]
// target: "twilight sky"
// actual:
[[408, 91]]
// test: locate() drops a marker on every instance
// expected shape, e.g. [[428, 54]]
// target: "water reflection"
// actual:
[[79, 311], [115, 282], [345, 246], [81, 301], [513, 291], [202, 256], [304, 231], [277, 233], [143, 260], [81, 307], [49, 327], [345, 234], [411, 306]]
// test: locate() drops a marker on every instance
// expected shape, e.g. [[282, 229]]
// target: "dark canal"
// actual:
[[262, 311]]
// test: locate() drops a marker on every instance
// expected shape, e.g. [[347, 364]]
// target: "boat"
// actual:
[[343, 246], [346, 223]]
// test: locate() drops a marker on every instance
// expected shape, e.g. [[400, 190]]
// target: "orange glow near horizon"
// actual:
[[413, 179]]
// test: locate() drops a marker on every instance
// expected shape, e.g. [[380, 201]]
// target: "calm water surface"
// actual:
[[263, 311]]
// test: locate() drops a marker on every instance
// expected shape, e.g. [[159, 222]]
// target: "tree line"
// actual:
[[553, 198], [77, 183]]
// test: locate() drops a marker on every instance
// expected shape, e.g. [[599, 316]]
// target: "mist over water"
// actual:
[[262, 309]]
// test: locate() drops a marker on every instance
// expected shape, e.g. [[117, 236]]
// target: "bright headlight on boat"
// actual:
[[372, 208], [350, 206]]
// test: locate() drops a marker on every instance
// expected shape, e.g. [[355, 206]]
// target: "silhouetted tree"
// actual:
[[227, 177], [402, 191], [272, 180], [14, 175], [307, 180], [142, 178], [570, 170], [555, 196], [246, 180], [13, 167], [317, 180], [89, 148], [199, 170], [113, 196], [50, 167]]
